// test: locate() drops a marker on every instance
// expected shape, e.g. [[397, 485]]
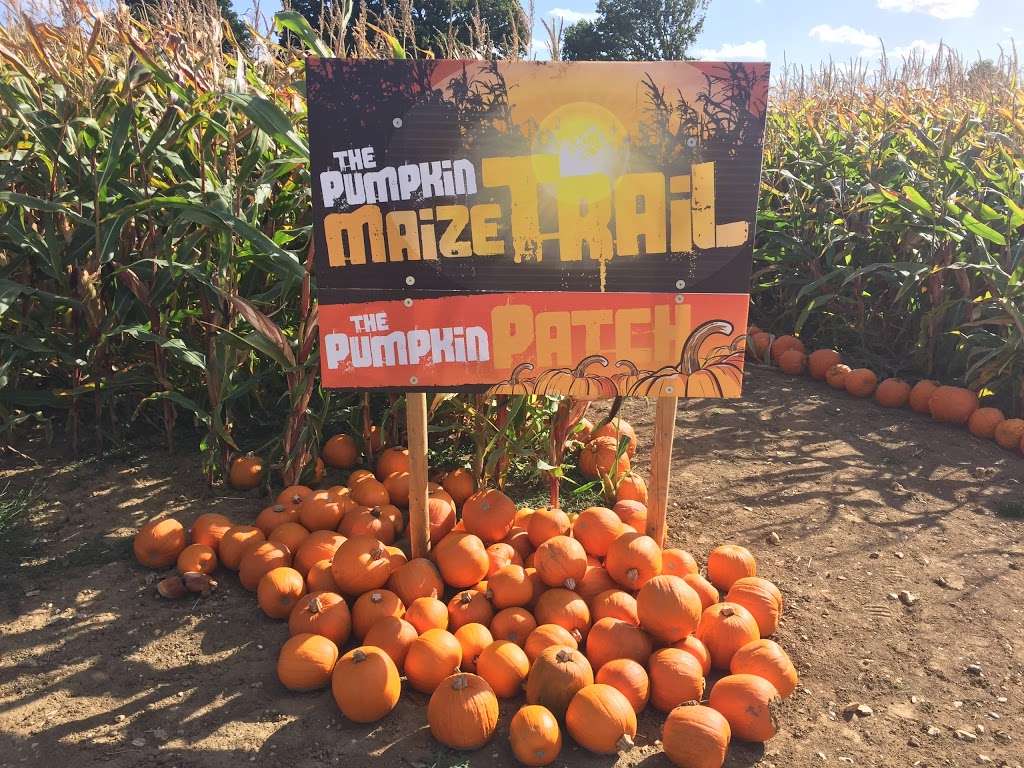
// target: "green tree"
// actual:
[[636, 30]]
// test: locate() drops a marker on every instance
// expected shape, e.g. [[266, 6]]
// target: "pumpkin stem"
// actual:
[[689, 361], [376, 597], [315, 606], [586, 362], [377, 553], [570, 584], [358, 656], [563, 655], [460, 683], [518, 371], [465, 598], [625, 743], [630, 367], [280, 507], [727, 612], [632, 574]]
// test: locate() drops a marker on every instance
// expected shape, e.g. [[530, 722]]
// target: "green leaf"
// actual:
[[296, 23], [982, 230], [269, 118], [916, 199]]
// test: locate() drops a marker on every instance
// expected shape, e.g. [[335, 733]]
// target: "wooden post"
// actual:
[[661, 466], [416, 426]]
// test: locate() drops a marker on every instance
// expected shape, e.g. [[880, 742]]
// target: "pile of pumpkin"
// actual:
[[586, 615], [947, 404]]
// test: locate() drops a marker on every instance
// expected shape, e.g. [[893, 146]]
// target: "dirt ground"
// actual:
[[97, 671]]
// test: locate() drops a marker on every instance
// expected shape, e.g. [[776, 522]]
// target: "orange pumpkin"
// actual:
[[565, 608], [513, 624], [273, 516], [534, 735], [462, 559], [698, 650], [473, 638], [489, 514], [595, 581], [500, 555], [392, 460], [279, 591], [728, 563], [750, 704], [596, 528], [460, 485], [463, 712], [546, 636], [259, 560], [1009, 434], [704, 589], [983, 422], [504, 666], [397, 486], [668, 608], [209, 528], [416, 578], [631, 487], [290, 535], [519, 540], [236, 541], [320, 511], [293, 495], [629, 678], [509, 587], [357, 476], [555, 677], [695, 736], [676, 677], [319, 545], [561, 562], [819, 362], [613, 639], [724, 629], [393, 636], [633, 560], [601, 720], [470, 606], [427, 613], [246, 472], [678, 562], [792, 362], [197, 558], [861, 382], [617, 429], [546, 523], [892, 393], [615, 604], [366, 684], [321, 613], [340, 452], [786, 343], [765, 658], [360, 564], [306, 661], [371, 607], [319, 578], [370, 493], [378, 522], [159, 542], [633, 514], [601, 457], [760, 343], [921, 394], [835, 377], [953, 405], [761, 598], [431, 658]]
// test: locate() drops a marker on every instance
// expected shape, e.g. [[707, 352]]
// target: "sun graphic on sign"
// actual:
[[586, 137]]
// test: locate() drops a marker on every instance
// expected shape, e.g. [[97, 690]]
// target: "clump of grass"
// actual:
[[14, 509]]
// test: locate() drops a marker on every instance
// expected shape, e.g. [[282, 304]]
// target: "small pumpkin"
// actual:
[[427, 613], [617, 429], [504, 666], [632, 513], [792, 362], [678, 562], [892, 393], [366, 684], [499, 555], [728, 563], [547, 636], [370, 493], [631, 487], [306, 661], [698, 650], [705, 589], [534, 735], [555, 677], [765, 658], [615, 604], [293, 495], [760, 344], [378, 522], [513, 624], [595, 581], [393, 636], [340, 452], [835, 377], [320, 512], [633, 560], [561, 562], [460, 485], [259, 560], [629, 678], [596, 528], [197, 558], [290, 535], [724, 629], [159, 542], [509, 587], [371, 607], [489, 514], [861, 382], [319, 545], [953, 405], [784, 344], [279, 591], [668, 608], [761, 598], [601, 720], [469, 606], [546, 523], [431, 658], [676, 676], [277, 514], [920, 395], [360, 564], [519, 540], [397, 486], [601, 457], [820, 360], [613, 639], [236, 541], [984, 421], [695, 736], [565, 608], [473, 638], [321, 613], [750, 704], [416, 578], [462, 559], [319, 578], [209, 528], [245, 472], [463, 712], [392, 460], [441, 518], [1009, 434]]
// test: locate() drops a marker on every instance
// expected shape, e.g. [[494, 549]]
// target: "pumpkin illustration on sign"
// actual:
[[719, 373]]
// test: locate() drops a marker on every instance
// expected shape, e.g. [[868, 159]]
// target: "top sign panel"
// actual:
[[448, 177]]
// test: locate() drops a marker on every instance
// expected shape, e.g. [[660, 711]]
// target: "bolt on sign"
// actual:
[[535, 227]]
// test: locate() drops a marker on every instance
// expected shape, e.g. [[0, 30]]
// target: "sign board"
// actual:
[[575, 228]]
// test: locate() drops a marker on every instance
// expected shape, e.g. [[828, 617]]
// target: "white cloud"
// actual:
[[940, 9], [753, 49], [540, 49], [844, 35], [570, 16], [916, 48]]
